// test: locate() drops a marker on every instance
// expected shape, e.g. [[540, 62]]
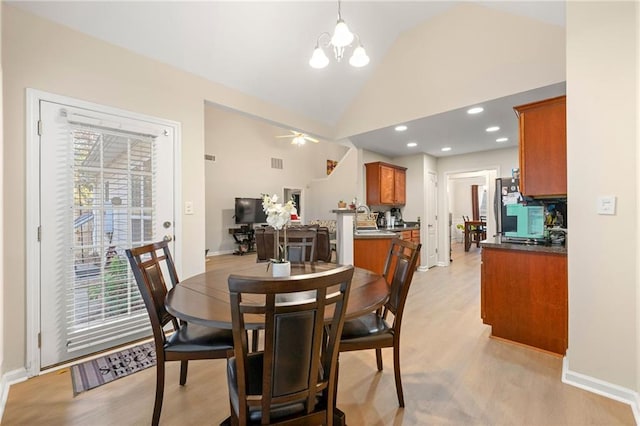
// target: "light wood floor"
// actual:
[[453, 374]]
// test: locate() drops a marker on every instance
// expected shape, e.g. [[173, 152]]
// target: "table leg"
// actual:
[[467, 239]]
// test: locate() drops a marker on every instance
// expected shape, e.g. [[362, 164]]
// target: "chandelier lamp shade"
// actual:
[[342, 38]]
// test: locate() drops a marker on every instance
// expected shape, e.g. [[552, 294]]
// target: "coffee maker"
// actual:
[[397, 215]]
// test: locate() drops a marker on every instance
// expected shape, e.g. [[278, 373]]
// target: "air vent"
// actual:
[[276, 163], [210, 157]]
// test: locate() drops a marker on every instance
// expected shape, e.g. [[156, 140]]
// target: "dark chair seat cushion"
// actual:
[[255, 362], [193, 338], [370, 328]]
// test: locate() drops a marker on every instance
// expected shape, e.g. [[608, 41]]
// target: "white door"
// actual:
[[432, 220], [106, 184]]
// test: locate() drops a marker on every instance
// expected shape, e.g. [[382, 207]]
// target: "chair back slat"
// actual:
[[301, 245], [402, 260], [292, 330], [147, 263], [298, 360]]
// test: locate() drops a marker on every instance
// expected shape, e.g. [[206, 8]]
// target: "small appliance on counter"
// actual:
[[382, 221], [557, 236], [529, 221], [387, 219], [396, 216]]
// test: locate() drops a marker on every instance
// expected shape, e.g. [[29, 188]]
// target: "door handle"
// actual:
[[167, 238]]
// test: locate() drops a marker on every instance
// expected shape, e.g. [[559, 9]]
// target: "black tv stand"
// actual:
[[245, 238]]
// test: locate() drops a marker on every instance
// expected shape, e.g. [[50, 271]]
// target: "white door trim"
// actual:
[[32, 198]]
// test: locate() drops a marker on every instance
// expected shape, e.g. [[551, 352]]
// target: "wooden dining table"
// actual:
[[472, 233], [204, 299]]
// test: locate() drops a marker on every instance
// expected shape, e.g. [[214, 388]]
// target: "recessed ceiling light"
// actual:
[[475, 110], [502, 139], [445, 149], [412, 144], [401, 128], [493, 129]]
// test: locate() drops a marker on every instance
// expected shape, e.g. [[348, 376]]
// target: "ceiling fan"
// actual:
[[298, 138]]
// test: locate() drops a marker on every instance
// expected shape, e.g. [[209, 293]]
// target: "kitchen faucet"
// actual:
[[365, 207]]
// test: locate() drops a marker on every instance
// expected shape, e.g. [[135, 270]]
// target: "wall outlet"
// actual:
[[188, 207]]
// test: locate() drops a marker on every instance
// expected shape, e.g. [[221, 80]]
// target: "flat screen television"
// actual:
[[249, 210]]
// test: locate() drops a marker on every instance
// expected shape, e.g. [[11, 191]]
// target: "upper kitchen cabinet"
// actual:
[[543, 147], [386, 184]]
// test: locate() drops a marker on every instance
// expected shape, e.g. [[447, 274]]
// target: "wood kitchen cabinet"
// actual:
[[524, 297], [543, 147], [413, 236], [386, 184]]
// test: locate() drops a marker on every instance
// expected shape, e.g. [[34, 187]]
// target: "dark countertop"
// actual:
[[496, 243], [374, 235], [402, 228]]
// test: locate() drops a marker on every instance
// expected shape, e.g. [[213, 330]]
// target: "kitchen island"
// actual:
[[370, 249], [524, 296]]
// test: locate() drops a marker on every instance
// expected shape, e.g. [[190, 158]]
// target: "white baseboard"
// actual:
[[220, 253], [600, 387], [9, 378], [423, 268]]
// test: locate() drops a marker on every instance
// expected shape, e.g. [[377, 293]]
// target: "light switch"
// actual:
[[188, 207], [607, 204]]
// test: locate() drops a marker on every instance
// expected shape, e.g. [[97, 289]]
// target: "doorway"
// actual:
[[104, 180], [294, 194], [459, 200]]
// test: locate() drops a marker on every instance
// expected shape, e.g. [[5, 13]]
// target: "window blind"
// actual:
[[112, 209]]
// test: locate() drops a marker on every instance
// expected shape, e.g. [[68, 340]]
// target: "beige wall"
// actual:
[[466, 55], [416, 186], [416, 173], [243, 147], [42, 55], [602, 144], [343, 184]]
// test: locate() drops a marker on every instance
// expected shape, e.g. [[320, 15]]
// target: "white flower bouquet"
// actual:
[[278, 217]]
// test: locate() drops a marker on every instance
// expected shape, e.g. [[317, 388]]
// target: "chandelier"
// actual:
[[340, 39]]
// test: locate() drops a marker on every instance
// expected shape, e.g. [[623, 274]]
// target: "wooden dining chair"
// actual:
[[476, 233], [301, 245], [188, 341], [372, 331], [293, 379]]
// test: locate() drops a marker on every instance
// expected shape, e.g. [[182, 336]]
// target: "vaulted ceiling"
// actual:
[[262, 49]]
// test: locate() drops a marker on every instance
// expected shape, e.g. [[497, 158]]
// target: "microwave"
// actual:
[[530, 221]]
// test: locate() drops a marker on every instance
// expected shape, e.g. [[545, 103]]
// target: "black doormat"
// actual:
[[93, 373]]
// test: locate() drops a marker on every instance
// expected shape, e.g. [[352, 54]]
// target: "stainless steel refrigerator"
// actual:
[[507, 191]]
